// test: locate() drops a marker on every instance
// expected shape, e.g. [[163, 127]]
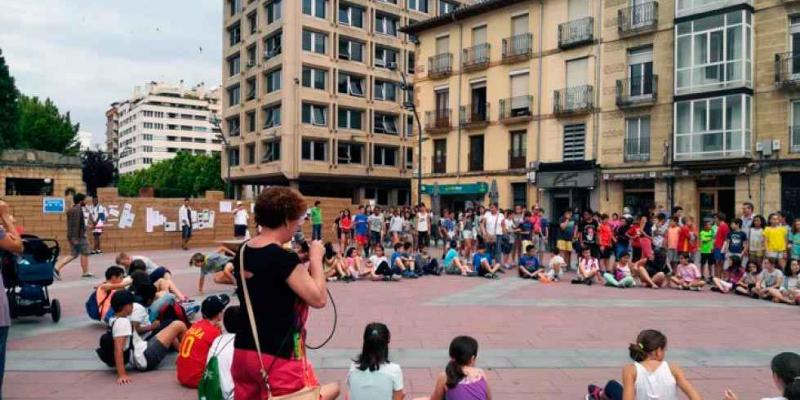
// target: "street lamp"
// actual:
[[409, 105], [226, 145]]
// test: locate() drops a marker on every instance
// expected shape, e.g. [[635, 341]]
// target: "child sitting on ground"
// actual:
[[372, 376], [401, 260], [687, 275], [789, 292], [771, 278], [735, 273], [222, 348], [114, 281], [155, 271], [748, 282], [529, 266], [197, 341], [352, 260], [588, 269], [461, 379], [482, 263], [217, 263], [621, 275], [137, 276], [379, 264], [424, 264], [556, 265], [650, 376], [453, 264], [332, 263]]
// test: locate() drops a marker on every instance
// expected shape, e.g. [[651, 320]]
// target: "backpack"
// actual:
[[106, 349], [93, 306], [173, 312], [210, 387]]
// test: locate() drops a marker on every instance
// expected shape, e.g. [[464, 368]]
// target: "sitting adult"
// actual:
[[279, 291]]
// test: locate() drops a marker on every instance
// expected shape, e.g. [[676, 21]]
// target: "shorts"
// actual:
[[466, 234], [239, 230], [605, 254], [727, 286], [719, 255], [186, 232], [564, 245], [158, 273], [672, 255], [539, 243], [452, 270], [654, 269], [374, 237], [154, 353], [780, 255], [96, 234], [285, 376], [80, 249], [706, 258], [361, 239]]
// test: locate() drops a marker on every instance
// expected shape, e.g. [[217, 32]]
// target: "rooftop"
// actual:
[[460, 13], [38, 158]]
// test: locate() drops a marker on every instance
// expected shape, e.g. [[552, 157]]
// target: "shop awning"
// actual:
[[456, 189]]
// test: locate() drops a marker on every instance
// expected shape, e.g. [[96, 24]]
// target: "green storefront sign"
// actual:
[[466, 188]]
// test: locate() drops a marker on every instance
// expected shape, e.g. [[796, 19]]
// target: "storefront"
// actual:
[[566, 186], [457, 197], [790, 193]]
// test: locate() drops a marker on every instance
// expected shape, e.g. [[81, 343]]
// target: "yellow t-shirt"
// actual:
[[775, 238]]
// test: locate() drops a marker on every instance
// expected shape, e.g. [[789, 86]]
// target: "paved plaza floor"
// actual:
[[537, 341]]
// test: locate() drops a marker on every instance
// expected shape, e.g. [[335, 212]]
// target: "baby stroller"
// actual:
[[27, 277]]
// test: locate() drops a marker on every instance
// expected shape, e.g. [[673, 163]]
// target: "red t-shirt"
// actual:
[[605, 234], [634, 233], [722, 235], [194, 350], [687, 243]]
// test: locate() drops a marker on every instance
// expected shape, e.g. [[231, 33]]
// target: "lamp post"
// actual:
[[409, 105], [226, 145]]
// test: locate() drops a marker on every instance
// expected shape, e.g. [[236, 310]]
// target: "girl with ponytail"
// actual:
[[372, 376], [650, 377], [461, 379], [785, 374]]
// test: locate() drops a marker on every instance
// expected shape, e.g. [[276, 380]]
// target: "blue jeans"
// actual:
[[316, 232], [3, 338]]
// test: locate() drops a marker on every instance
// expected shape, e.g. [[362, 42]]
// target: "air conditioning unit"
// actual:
[[776, 144]]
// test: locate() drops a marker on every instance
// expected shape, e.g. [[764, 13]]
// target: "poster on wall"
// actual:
[[53, 205], [127, 217], [170, 226], [113, 214], [225, 206], [154, 218]]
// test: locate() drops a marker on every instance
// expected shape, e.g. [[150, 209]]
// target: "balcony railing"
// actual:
[[637, 149], [475, 162], [474, 115], [575, 33], [476, 57], [438, 121], [439, 164], [637, 19], [794, 139], [516, 109], [573, 100], [637, 91], [517, 159], [713, 145], [440, 65], [787, 70], [518, 47]]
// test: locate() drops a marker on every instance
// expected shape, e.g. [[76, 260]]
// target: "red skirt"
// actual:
[[285, 377]]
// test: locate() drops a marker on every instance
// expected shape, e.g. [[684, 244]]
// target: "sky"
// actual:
[[86, 54]]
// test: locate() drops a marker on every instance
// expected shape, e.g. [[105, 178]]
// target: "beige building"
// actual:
[[313, 95], [40, 173]]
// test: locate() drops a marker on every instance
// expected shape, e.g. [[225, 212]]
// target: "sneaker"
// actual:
[[502, 270], [694, 289], [87, 275], [495, 276], [472, 274], [332, 279], [589, 282], [387, 278], [715, 289], [487, 276], [57, 274], [396, 277]]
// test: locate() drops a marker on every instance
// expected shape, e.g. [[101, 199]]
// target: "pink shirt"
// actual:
[[588, 264], [673, 234], [689, 272]]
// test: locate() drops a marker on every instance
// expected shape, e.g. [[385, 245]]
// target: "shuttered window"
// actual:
[[574, 142]]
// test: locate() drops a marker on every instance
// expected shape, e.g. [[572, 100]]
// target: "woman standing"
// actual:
[[346, 226], [12, 243], [280, 290]]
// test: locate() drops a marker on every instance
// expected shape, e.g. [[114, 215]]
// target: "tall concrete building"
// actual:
[[612, 104], [313, 95], [159, 121]]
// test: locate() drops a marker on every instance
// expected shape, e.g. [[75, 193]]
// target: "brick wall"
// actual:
[[63, 178]]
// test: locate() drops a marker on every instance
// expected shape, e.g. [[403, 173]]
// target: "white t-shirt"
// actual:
[[396, 224], [423, 220], [140, 315], [240, 217], [124, 328], [222, 347], [494, 223], [375, 260], [557, 260], [375, 385]]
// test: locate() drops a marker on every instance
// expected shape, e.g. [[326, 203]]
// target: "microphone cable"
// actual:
[[333, 329]]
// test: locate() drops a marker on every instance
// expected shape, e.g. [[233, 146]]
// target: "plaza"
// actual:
[[537, 341]]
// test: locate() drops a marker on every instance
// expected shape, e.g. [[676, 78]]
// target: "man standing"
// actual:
[[76, 235], [423, 226], [747, 216], [493, 222], [316, 221], [375, 222], [185, 216], [240, 218], [97, 219]]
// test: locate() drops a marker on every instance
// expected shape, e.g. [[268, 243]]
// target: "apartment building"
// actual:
[[313, 95], [159, 121]]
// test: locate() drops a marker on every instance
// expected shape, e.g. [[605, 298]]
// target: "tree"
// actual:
[[8, 107], [98, 170], [42, 127], [183, 175]]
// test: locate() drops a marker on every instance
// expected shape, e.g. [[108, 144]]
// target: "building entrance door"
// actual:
[[713, 201]]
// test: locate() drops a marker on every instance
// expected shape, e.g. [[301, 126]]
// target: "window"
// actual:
[[519, 144], [640, 71], [713, 128], [272, 151], [446, 7], [315, 114], [314, 8], [385, 57], [349, 153], [351, 15], [349, 118], [251, 88], [234, 96], [314, 150], [314, 42], [233, 157], [637, 139], [272, 116], [386, 24], [272, 45], [314, 78], [274, 80], [409, 158], [385, 90], [351, 84], [251, 56], [147, 160], [251, 121], [794, 128], [476, 153], [385, 156], [234, 66], [439, 156], [147, 137], [410, 36], [273, 11], [574, 142], [519, 193], [234, 34], [235, 6], [385, 124], [409, 125], [252, 20], [418, 5], [147, 149], [689, 7], [251, 153], [411, 67], [350, 49], [713, 52], [443, 45]]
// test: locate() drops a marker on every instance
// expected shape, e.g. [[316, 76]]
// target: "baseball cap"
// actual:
[[213, 305], [121, 298]]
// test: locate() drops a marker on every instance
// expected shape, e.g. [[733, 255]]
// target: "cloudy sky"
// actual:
[[85, 54]]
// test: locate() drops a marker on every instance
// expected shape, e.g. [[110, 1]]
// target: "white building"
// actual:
[[161, 120]]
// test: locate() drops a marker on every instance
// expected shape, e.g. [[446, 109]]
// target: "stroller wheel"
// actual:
[[55, 310]]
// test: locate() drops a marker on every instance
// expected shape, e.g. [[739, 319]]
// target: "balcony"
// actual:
[[573, 100], [439, 164], [517, 159], [713, 146], [794, 139], [637, 91], [787, 71], [637, 149], [438, 121], [515, 110], [475, 163], [474, 116], [476, 58], [691, 7], [575, 33], [637, 19], [517, 48], [440, 65]]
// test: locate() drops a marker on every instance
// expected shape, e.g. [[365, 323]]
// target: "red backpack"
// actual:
[[173, 312]]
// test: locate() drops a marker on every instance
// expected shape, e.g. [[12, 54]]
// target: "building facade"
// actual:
[[159, 121], [313, 95]]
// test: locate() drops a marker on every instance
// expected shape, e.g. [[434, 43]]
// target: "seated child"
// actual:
[[114, 278], [144, 355], [556, 265], [453, 264], [789, 292], [748, 282], [197, 341], [377, 266], [400, 260], [332, 263], [222, 348], [372, 376], [621, 274], [352, 261], [529, 267], [771, 278], [735, 273], [140, 316], [687, 275], [137, 276], [483, 265], [461, 379], [588, 269], [217, 263], [424, 264]]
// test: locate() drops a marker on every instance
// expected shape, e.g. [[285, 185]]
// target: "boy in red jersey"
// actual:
[[198, 339]]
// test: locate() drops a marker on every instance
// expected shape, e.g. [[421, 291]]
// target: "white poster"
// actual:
[[127, 217], [154, 219], [225, 206], [170, 227]]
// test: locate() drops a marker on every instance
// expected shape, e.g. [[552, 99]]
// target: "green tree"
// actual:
[[8, 107], [183, 175], [98, 170], [42, 127]]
